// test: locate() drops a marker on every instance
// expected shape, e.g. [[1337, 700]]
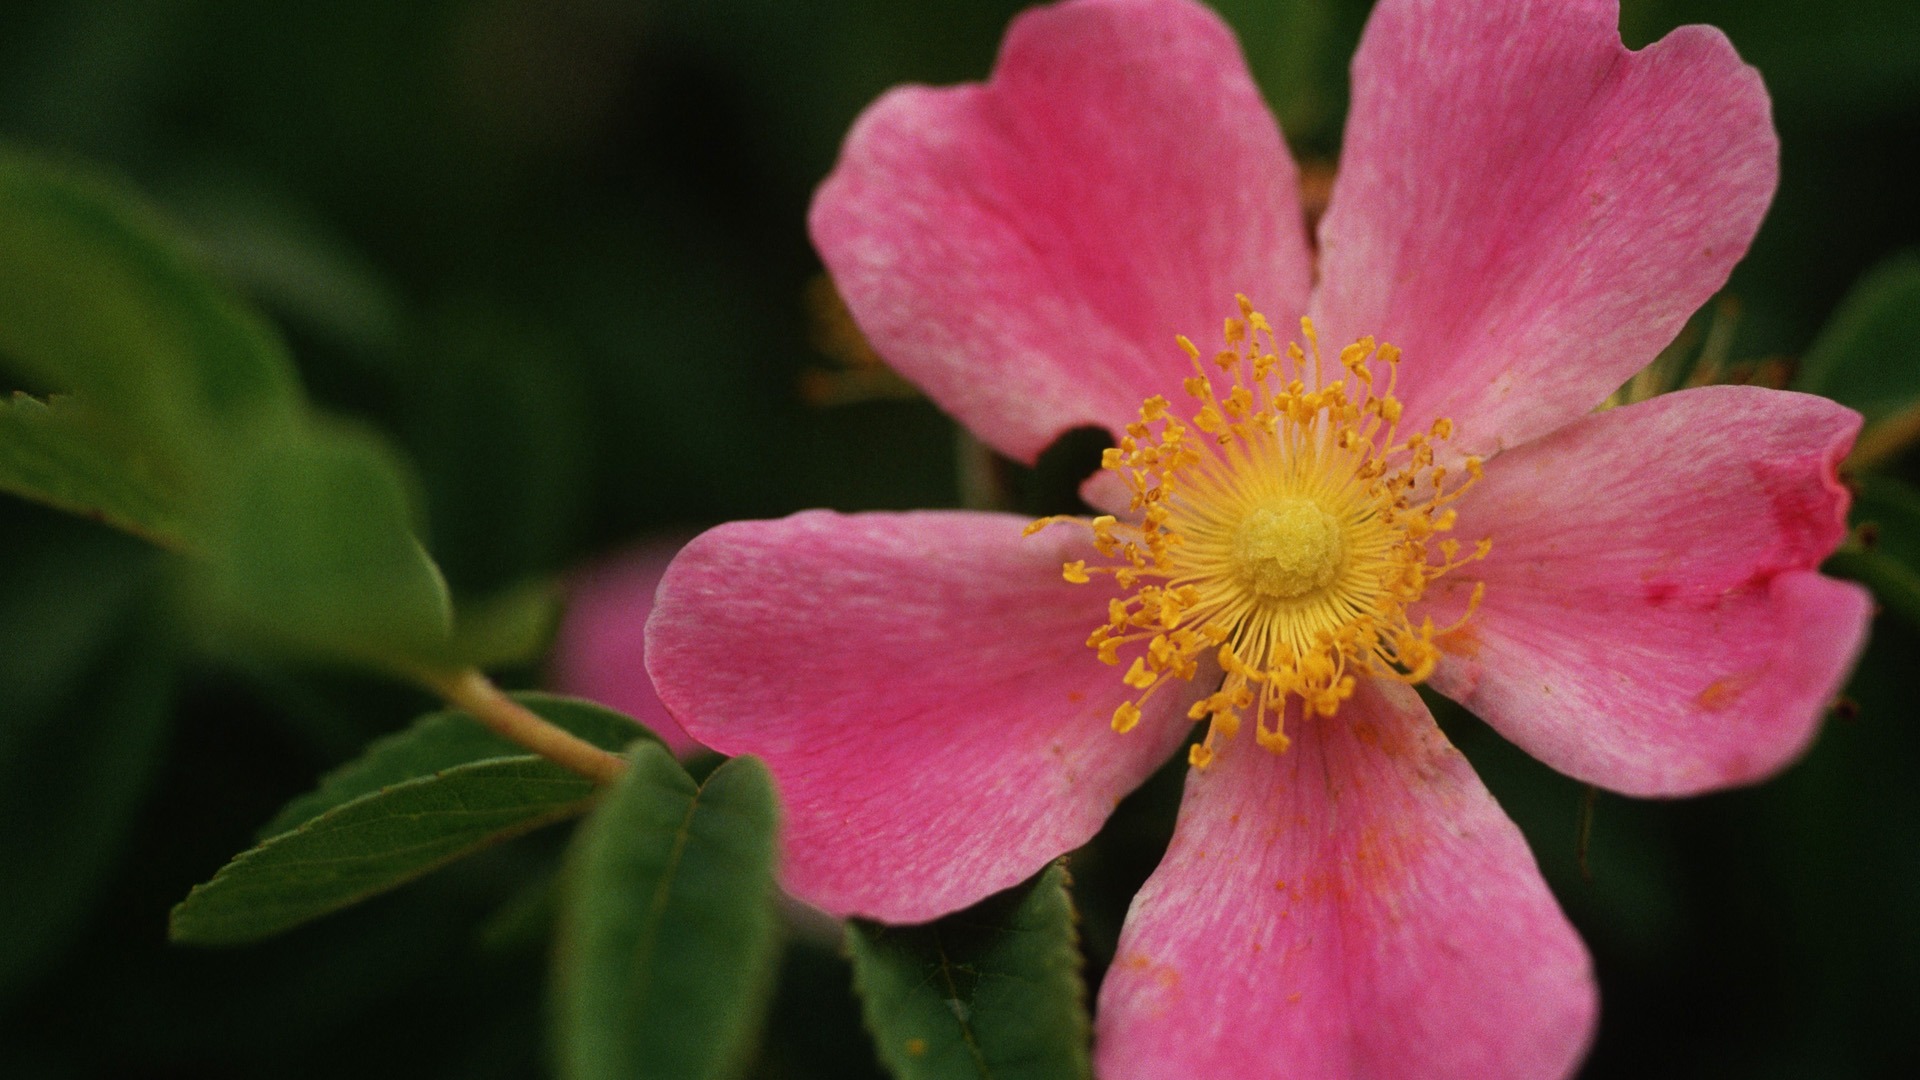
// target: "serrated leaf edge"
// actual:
[[558, 814], [532, 699]]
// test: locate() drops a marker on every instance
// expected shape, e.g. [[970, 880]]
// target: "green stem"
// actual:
[[472, 691]]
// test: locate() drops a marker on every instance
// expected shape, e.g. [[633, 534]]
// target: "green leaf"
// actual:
[[187, 424], [990, 993], [98, 299], [667, 929], [511, 627], [53, 453], [1886, 554], [442, 740], [314, 547], [371, 844], [1868, 357]]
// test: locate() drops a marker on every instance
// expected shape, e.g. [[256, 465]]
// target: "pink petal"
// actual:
[[921, 688], [1357, 906], [1652, 621], [1531, 210], [1027, 249], [599, 651]]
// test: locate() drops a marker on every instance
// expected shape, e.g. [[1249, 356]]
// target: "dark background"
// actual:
[[555, 249]]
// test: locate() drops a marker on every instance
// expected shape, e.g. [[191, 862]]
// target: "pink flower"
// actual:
[[1525, 208], [599, 650]]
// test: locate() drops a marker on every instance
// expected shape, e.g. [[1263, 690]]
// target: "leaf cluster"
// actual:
[[172, 412]]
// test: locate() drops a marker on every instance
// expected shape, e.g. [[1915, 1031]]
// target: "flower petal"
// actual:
[[1652, 623], [921, 688], [1357, 906], [599, 651], [1529, 209], [1026, 250]]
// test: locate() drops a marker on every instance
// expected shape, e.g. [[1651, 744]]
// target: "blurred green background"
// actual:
[[555, 249]]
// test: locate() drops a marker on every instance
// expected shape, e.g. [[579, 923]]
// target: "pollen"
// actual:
[[1276, 537], [1288, 549]]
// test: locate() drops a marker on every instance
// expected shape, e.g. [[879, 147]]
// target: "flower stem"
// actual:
[[472, 691]]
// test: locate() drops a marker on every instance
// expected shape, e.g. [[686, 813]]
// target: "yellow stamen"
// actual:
[[1283, 534]]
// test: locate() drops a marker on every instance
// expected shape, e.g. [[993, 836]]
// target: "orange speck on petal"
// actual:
[[1461, 640], [1723, 692]]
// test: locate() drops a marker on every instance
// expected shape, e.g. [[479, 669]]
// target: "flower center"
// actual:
[[1287, 550], [1286, 539]]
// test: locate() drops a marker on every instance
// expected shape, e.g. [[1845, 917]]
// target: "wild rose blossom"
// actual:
[[1302, 519]]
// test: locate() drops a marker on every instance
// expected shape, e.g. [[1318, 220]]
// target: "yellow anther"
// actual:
[[1287, 548], [1275, 740], [1239, 403], [1161, 652]]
